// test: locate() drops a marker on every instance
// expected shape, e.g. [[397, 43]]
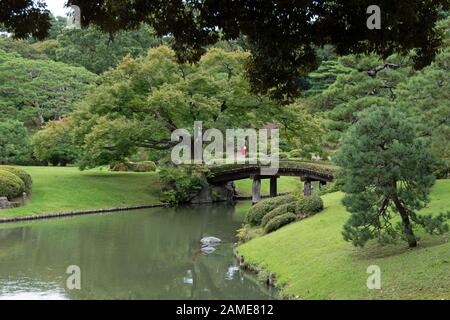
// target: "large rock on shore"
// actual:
[[210, 194]]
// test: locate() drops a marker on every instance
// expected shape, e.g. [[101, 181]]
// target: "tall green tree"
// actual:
[[141, 102], [54, 143], [387, 172], [425, 98]]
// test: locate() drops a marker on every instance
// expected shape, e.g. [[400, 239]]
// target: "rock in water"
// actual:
[[210, 241], [208, 250]]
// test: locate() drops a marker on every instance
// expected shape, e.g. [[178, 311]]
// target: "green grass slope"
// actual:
[[312, 261], [57, 189]]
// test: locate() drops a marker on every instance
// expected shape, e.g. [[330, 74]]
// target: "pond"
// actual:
[[145, 254]]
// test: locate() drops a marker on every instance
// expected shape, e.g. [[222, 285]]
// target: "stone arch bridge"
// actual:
[[306, 171]]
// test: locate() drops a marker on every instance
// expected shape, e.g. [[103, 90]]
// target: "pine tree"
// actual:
[[387, 172]]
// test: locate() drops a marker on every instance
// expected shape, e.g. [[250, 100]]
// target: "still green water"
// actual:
[[145, 254]]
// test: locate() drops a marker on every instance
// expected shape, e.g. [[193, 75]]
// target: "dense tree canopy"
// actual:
[[425, 98], [22, 47], [25, 18], [365, 80], [14, 142], [54, 143], [355, 90], [281, 34], [97, 52], [142, 101], [35, 91]]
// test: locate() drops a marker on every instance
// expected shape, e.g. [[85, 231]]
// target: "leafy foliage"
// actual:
[[22, 47], [141, 102], [425, 99], [14, 143], [97, 51], [141, 166], [358, 90], [325, 76], [292, 27], [54, 143], [25, 18], [180, 184]]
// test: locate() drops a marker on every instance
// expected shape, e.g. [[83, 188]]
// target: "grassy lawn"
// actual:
[[58, 189], [285, 184], [312, 261]]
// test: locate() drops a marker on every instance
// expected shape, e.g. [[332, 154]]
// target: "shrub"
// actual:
[[296, 153], [279, 221], [53, 144], [180, 184], [308, 206], [141, 166], [119, 167], [10, 185], [23, 175], [283, 155], [285, 208], [259, 210], [247, 233]]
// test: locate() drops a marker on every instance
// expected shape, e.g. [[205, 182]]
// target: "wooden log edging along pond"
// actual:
[[243, 265], [76, 213]]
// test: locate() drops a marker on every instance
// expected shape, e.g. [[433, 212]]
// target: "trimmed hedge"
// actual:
[[279, 221], [308, 206], [285, 208], [11, 186], [259, 210], [23, 175]]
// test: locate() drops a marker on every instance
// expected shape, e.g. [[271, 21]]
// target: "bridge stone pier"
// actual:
[[307, 173], [256, 187]]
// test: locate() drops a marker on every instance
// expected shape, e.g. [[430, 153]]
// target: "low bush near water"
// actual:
[[11, 186], [180, 184], [259, 210], [279, 221], [23, 175], [285, 208]]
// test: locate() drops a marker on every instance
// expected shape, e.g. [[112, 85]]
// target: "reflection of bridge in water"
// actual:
[[307, 171]]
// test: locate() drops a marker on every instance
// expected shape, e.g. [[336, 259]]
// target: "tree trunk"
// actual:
[[412, 241]]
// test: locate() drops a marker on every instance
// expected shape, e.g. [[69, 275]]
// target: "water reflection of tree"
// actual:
[[132, 255]]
